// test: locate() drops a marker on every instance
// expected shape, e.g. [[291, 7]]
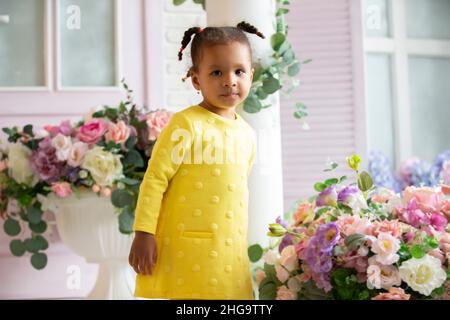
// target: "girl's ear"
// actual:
[[252, 73], [195, 81]]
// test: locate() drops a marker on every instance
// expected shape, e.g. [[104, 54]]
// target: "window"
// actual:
[[83, 32], [407, 59]]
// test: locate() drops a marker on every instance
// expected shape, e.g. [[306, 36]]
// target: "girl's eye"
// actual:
[[216, 73], [240, 72]]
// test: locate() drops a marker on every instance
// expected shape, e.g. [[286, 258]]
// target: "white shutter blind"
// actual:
[[323, 31]]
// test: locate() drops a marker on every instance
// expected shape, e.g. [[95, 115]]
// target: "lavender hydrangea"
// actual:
[[380, 169], [45, 162]]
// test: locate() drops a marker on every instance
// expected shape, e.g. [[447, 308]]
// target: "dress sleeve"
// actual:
[[251, 160], [171, 147]]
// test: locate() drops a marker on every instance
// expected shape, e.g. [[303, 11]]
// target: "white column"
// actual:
[[265, 184]]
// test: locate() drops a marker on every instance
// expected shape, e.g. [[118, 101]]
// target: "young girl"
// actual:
[[192, 211]]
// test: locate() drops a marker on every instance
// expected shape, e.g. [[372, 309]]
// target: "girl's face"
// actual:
[[225, 75]]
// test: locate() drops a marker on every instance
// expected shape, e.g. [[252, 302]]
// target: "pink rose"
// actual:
[[392, 227], [438, 221], [284, 293], [380, 276], [64, 128], [118, 133], [393, 294], [304, 213], [386, 247], [3, 165], [383, 195], [289, 259], [428, 199], [92, 131], [62, 189], [446, 172], [350, 224], [156, 121], [260, 276]]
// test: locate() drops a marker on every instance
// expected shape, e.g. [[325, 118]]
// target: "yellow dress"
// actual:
[[194, 198]]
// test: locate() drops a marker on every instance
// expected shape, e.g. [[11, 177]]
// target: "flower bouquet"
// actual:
[[105, 153], [357, 241]]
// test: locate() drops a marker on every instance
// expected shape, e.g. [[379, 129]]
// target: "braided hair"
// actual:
[[210, 36]]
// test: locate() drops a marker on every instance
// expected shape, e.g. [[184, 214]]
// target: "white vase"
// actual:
[[89, 227]]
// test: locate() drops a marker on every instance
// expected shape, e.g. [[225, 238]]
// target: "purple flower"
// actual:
[[287, 241], [320, 247], [352, 197], [328, 235], [45, 162], [327, 197], [282, 222], [347, 193]]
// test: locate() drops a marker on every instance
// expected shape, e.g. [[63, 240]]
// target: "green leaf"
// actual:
[[255, 252], [32, 245], [261, 93], [404, 252], [320, 186], [431, 242], [34, 215], [177, 3], [39, 227], [288, 56], [271, 85], [39, 260], [134, 158], [28, 129], [281, 11], [417, 251], [121, 198], [365, 181], [343, 178], [25, 200], [42, 243], [320, 212], [126, 219], [334, 165], [257, 74], [130, 182], [131, 142], [277, 40], [252, 104], [267, 290], [11, 227], [331, 181], [17, 248], [355, 240], [294, 69]]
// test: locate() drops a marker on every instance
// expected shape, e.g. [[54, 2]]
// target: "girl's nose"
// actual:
[[229, 81]]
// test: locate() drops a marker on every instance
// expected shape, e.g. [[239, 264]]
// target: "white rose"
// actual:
[[103, 166], [423, 275], [19, 164], [76, 153], [62, 144]]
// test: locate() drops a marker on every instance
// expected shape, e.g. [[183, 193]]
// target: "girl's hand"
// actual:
[[143, 253]]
